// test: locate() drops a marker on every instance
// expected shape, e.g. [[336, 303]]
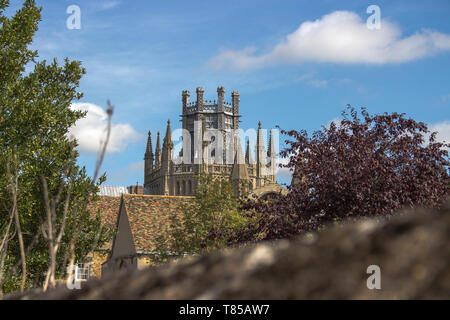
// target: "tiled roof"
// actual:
[[112, 191], [109, 209], [149, 217]]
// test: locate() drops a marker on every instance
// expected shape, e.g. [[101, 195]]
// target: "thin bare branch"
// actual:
[[13, 185], [99, 162]]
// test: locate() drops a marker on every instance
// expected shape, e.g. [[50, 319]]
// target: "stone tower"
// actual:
[[210, 145]]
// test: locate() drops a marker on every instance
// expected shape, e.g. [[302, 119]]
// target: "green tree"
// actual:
[[209, 223], [38, 171]]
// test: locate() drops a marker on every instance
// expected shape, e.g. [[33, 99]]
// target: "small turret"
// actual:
[[185, 100], [158, 153], [167, 148], [260, 148], [168, 138], [272, 158], [260, 153], [200, 101], [248, 156], [220, 98], [149, 154], [239, 175]]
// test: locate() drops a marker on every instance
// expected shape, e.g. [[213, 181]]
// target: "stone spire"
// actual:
[[260, 148], [260, 153], [168, 138], [149, 154], [248, 156], [158, 153], [239, 175], [166, 160], [272, 158], [167, 147], [271, 150]]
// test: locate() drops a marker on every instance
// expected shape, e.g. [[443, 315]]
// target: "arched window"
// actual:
[[184, 188], [190, 187], [178, 188]]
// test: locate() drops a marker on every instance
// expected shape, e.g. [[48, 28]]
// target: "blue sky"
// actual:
[[290, 60]]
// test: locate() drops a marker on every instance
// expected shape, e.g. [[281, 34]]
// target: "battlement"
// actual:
[[202, 105], [208, 106]]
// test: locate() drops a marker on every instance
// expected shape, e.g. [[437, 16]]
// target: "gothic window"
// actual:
[[184, 188], [178, 188], [190, 187]]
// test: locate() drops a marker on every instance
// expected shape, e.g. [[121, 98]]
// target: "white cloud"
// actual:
[[443, 131], [91, 130], [312, 81], [337, 122], [137, 166], [445, 98], [127, 175], [124, 73], [339, 37], [284, 174], [110, 4], [318, 83]]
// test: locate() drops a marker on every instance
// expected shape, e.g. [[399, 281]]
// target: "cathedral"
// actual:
[[210, 145]]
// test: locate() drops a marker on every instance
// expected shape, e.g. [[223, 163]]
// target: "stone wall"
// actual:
[[412, 251]]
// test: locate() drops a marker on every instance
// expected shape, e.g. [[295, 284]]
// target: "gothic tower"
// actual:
[[210, 145]]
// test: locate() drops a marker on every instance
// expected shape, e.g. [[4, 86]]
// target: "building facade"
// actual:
[[210, 145]]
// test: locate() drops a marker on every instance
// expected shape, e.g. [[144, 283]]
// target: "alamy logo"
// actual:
[[72, 281], [73, 22], [374, 21], [218, 146], [374, 281]]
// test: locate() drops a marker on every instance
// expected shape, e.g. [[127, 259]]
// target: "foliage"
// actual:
[[35, 117], [366, 165], [208, 223]]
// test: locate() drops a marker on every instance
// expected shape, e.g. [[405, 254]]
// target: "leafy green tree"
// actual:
[[35, 150], [209, 223]]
